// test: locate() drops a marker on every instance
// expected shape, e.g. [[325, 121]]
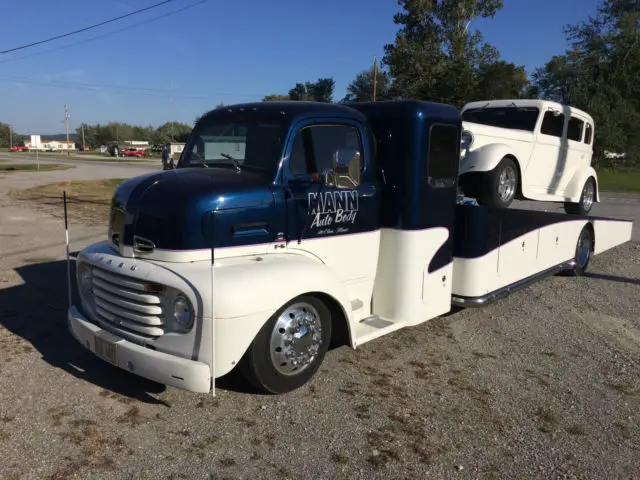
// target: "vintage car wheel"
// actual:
[[290, 347], [502, 185], [583, 207]]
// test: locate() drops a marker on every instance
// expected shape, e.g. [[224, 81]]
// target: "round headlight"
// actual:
[[182, 311], [466, 139], [86, 278]]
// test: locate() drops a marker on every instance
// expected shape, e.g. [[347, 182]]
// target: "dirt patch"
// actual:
[[32, 167], [87, 201]]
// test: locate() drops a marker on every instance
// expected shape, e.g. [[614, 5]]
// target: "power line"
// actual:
[[143, 91], [97, 37], [85, 28]]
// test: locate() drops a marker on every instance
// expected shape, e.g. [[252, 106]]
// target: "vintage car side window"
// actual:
[[442, 164], [315, 146], [588, 133], [574, 129], [552, 125]]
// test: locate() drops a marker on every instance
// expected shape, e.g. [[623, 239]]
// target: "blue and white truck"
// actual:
[[290, 226]]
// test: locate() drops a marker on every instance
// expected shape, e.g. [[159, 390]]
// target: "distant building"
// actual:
[[37, 143]]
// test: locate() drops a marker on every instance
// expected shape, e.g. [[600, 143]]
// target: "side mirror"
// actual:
[[342, 160]]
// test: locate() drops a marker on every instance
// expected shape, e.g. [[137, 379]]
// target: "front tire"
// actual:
[[502, 185], [587, 197], [290, 347]]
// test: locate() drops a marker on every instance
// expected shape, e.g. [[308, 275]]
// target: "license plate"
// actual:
[[106, 350]]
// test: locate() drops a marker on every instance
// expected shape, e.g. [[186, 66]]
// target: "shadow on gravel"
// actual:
[[36, 311], [613, 278]]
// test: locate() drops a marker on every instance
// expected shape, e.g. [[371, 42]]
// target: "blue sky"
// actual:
[[218, 51]]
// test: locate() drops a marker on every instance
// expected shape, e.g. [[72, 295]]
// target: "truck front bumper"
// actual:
[[150, 364]]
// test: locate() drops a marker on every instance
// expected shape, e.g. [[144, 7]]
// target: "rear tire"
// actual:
[[501, 186], [290, 347], [587, 197], [584, 251]]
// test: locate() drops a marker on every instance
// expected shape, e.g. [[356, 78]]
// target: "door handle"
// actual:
[[367, 192]]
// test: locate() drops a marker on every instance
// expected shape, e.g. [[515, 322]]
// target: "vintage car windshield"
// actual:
[[251, 145], [515, 118]]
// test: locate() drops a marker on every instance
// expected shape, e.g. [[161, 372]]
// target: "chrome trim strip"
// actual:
[[470, 302]]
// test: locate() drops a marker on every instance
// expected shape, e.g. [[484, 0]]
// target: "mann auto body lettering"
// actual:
[[333, 208]]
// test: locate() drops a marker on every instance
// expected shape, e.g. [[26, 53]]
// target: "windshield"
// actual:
[[251, 145], [515, 118]]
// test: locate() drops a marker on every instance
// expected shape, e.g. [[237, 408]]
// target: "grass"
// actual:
[[31, 167], [87, 200], [612, 181]]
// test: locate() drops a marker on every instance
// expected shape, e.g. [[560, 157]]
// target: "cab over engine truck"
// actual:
[[288, 226]]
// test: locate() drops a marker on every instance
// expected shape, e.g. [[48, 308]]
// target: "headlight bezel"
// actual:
[[173, 325], [466, 139]]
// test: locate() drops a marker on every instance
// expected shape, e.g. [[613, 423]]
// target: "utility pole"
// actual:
[[375, 77], [66, 125], [10, 136], [84, 145]]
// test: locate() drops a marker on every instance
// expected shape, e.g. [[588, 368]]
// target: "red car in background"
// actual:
[[132, 152], [19, 148]]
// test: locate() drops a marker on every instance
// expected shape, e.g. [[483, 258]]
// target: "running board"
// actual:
[[469, 302]]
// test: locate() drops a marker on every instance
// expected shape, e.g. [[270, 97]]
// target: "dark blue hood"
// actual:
[[170, 210]]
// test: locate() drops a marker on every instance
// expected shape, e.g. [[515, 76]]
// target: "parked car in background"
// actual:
[[19, 148], [528, 149], [132, 152]]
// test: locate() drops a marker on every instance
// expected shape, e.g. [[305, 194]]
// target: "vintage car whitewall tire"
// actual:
[[587, 198], [289, 349], [501, 185]]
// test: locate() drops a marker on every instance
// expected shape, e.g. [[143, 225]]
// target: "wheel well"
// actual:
[[519, 173], [339, 328]]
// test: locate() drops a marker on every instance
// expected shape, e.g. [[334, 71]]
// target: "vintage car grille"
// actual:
[[125, 303]]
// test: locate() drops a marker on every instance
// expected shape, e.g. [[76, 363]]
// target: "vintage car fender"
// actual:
[[574, 188], [485, 158], [248, 291]]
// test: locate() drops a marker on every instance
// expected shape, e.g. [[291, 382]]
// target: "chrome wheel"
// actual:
[[588, 194], [585, 246], [507, 183], [296, 339]]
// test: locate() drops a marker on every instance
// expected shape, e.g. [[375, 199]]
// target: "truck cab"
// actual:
[[290, 226]]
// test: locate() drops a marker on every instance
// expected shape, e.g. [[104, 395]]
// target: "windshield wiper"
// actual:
[[236, 163], [200, 159]]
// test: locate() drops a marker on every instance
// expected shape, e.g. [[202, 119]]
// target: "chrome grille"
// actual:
[[124, 303]]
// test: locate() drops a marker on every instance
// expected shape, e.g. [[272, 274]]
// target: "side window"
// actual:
[[574, 129], [588, 133], [442, 164], [315, 147], [552, 124]]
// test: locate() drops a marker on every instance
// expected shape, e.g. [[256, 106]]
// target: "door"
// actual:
[[578, 153], [335, 219], [549, 155]]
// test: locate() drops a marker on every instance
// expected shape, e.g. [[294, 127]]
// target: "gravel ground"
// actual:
[[544, 384]]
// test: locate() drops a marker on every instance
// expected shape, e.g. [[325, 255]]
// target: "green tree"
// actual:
[[274, 97], [361, 88], [319, 91], [8, 135], [599, 73], [435, 56], [501, 80], [172, 132]]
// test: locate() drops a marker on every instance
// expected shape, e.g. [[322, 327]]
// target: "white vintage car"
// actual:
[[528, 149]]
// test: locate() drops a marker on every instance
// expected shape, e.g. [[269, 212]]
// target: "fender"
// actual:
[[248, 291], [485, 158], [574, 187]]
